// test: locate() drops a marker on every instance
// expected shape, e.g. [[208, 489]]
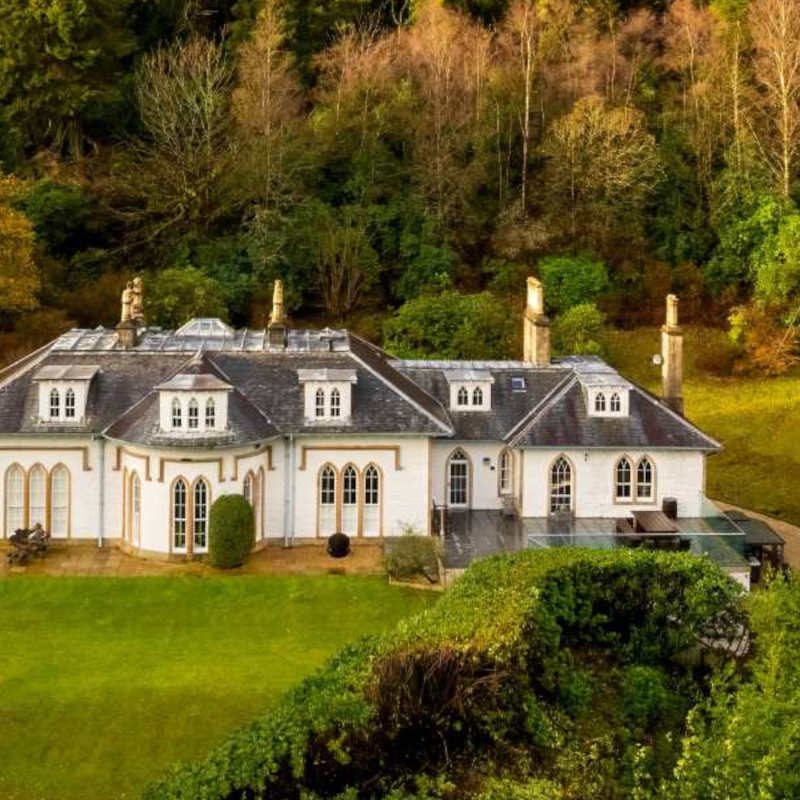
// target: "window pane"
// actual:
[[200, 515], [193, 415], [623, 478], [336, 403], [561, 486], [69, 404], [211, 413], [55, 403], [59, 502], [38, 497], [15, 499], [179, 516]]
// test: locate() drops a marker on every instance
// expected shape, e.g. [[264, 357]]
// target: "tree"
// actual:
[[347, 266], [451, 325], [572, 280], [602, 166], [61, 68], [776, 264], [19, 274], [179, 294], [579, 331], [180, 170], [266, 104], [775, 26]]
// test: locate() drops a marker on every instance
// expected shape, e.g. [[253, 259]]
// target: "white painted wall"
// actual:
[[679, 474], [406, 499], [484, 475]]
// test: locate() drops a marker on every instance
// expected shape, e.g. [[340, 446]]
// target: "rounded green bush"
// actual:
[[231, 531]]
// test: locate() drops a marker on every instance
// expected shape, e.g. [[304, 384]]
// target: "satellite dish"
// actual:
[[658, 360]]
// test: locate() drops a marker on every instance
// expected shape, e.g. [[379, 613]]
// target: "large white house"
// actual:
[[127, 435]]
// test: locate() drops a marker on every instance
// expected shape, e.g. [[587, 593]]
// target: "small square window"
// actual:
[[518, 383]]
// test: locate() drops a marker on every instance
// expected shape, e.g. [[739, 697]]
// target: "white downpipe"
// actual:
[[288, 492], [101, 465]]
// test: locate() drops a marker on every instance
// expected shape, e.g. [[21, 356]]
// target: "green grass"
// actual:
[[105, 682], [756, 419]]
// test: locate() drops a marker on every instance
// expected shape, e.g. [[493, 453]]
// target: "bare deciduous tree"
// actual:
[[775, 27]]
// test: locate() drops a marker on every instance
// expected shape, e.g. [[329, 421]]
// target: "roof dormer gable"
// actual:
[[470, 389], [328, 393], [64, 392]]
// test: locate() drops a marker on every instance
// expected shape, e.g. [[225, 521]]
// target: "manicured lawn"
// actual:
[[104, 682], [756, 419]]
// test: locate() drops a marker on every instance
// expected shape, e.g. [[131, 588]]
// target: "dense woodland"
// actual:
[[403, 165]]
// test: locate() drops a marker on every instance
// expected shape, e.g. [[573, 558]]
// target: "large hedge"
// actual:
[[231, 531], [492, 662]]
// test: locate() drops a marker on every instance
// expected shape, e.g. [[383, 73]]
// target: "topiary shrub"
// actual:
[[338, 545], [231, 531]]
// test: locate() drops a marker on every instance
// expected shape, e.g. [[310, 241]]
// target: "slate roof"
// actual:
[[565, 422], [390, 396]]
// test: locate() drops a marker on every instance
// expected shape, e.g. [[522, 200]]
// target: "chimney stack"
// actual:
[[277, 319], [536, 327], [127, 327], [672, 358]]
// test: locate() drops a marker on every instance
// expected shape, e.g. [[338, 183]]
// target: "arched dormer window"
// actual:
[[336, 403], [560, 486], [319, 403], [623, 480], [644, 479], [177, 414], [615, 405], [55, 404], [211, 414], [69, 404], [477, 396], [463, 396], [600, 402], [193, 414]]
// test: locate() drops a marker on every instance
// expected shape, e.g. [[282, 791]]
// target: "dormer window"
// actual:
[[194, 403], [328, 393], [518, 383], [600, 402], [616, 403], [470, 389], [177, 414], [63, 391], [211, 414], [69, 404]]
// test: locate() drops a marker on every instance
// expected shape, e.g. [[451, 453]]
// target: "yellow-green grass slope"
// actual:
[[756, 419], [105, 682]]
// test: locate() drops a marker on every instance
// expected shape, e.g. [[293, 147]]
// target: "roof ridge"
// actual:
[[522, 427], [378, 352]]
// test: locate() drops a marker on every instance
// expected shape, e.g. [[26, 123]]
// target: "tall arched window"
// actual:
[[15, 499], [55, 404], [179, 515], [623, 480], [193, 414], [505, 472], [560, 486], [200, 516], [261, 495], [336, 403], [350, 500], [177, 414], [136, 509], [458, 479], [616, 403], [69, 404], [59, 501], [477, 396], [463, 396], [248, 488], [599, 402], [372, 501], [37, 496], [319, 403], [326, 505], [644, 480], [211, 414]]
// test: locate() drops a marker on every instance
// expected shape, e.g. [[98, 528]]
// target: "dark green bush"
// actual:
[[411, 556], [231, 531], [485, 666]]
